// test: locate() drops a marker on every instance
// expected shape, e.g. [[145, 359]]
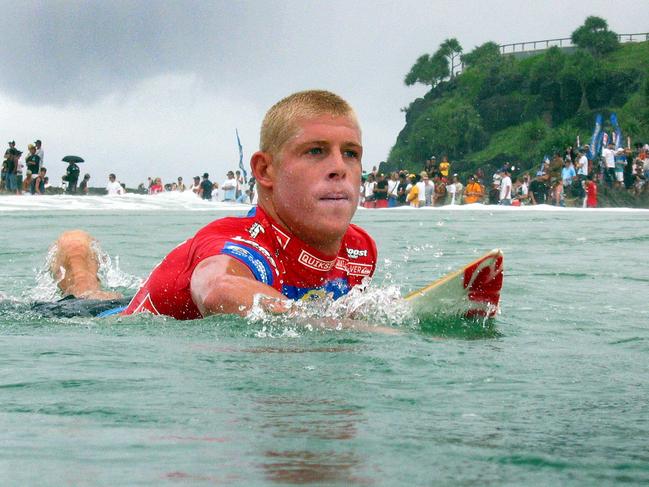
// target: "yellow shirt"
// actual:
[[473, 188], [444, 167], [413, 196]]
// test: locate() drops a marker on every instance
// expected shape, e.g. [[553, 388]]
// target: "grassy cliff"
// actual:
[[500, 108]]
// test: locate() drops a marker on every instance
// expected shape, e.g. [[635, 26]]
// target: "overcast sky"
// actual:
[[157, 88]]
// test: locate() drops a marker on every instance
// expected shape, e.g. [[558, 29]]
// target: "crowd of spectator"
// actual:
[[571, 178], [24, 172], [236, 188], [568, 179]]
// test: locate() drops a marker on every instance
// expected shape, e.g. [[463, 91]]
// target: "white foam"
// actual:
[[481, 207], [168, 201]]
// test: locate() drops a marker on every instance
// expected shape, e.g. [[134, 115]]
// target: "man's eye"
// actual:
[[351, 153], [315, 151]]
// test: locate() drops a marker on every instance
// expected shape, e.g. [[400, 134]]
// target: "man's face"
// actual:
[[316, 178]]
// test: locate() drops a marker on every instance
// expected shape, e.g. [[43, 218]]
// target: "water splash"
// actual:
[[110, 275], [364, 305]]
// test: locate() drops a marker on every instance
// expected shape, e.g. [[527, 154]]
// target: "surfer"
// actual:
[[297, 243]]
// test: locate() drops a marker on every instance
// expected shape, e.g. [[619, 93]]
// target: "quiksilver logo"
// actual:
[[313, 262]]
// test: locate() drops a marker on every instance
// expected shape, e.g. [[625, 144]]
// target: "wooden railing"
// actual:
[[561, 42]]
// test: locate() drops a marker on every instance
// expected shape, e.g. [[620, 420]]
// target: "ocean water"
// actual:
[[554, 391]]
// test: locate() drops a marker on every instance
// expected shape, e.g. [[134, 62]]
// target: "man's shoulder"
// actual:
[[358, 236], [242, 228]]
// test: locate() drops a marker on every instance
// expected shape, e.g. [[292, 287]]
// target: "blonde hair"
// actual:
[[281, 121]]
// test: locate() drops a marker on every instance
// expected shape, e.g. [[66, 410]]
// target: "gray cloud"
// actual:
[[202, 68]]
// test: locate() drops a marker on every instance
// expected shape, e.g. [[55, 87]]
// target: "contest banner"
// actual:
[[593, 150]]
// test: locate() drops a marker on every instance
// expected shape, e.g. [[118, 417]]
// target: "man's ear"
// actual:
[[263, 168]]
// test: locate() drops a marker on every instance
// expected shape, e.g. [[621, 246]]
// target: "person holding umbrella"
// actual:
[[72, 173]]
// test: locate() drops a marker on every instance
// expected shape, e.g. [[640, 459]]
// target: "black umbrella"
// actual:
[[72, 159]]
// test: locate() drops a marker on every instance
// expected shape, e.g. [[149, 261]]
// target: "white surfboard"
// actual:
[[471, 292]]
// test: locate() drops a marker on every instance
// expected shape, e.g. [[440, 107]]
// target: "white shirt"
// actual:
[[40, 153], [369, 188], [421, 192], [609, 157], [583, 166], [506, 188], [114, 188], [392, 188], [450, 189]]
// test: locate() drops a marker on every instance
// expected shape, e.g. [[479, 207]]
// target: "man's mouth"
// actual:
[[334, 197]]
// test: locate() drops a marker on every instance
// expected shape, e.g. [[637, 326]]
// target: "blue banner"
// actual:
[[243, 170], [619, 143], [594, 150]]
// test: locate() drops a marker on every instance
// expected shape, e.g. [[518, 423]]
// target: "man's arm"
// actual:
[[221, 284]]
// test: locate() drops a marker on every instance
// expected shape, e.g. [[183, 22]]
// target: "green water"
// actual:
[[554, 392]]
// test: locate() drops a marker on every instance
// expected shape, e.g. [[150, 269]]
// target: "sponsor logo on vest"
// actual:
[[354, 269], [313, 262], [282, 238], [255, 230], [146, 306], [261, 249], [356, 253]]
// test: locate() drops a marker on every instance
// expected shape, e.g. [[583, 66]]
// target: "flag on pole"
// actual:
[[618, 140], [243, 171]]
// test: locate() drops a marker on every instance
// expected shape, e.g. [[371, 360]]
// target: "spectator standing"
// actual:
[[421, 189], [196, 186], [413, 192], [368, 191], [402, 189], [459, 189], [240, 183], [450, 193], [538, 189], [40, 153], [608, 154], [440, 190], [393, 185], [582, 165], [11, 158], [83, 185], [206, 188], [38, 184], [474, 192], [113, 188], [505, 188], [591, 193], [156, 187], [429, 190], [568, 173], [251, 190], [228, 187], [620, 164], [381, 191], [180, 186], [20, 169], [33, 160], [445, 167], [71, 177]]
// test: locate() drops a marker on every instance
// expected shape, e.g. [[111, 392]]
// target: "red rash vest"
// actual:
[[273, 255]]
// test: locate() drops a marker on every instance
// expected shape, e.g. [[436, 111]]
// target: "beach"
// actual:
[[553, 391]]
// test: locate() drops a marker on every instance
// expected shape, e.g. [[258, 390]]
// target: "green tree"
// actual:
[[428, 70], [484, 55], [595, 37], [584, 68], [451, 50]]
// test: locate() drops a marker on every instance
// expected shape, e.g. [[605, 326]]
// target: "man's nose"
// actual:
[[338, 166]]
